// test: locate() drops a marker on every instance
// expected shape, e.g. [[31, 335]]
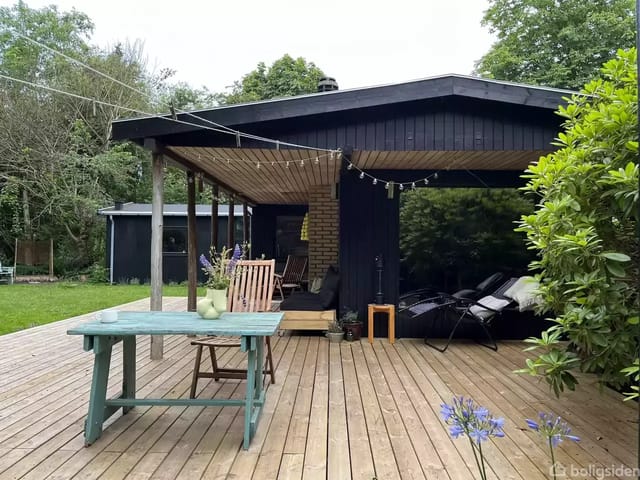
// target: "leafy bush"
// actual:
[[584, 232]]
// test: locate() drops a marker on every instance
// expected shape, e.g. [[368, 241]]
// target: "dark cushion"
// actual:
[[489, 282], [329, 291], [302, 301], [326, 299]]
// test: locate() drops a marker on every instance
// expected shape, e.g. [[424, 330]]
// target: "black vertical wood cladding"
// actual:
[[132, 242], [369, 225]]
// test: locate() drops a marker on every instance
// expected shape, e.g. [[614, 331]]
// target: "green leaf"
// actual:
[[617, 257]]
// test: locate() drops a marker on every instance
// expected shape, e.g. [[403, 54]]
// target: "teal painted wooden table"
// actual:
[[101, 337]]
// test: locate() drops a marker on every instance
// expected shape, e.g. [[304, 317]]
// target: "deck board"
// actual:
[[352, 410]]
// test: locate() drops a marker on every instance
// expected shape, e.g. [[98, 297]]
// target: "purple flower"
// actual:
[[553, 428], [237, 255], [204, 262], [479, 435], [456, 430], [446, 411]]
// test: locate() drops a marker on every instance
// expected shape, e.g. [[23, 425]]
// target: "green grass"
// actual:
[[24, 306]]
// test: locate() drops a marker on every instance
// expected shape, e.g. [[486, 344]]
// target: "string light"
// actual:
[[317, 160], [287, 164], [302, 163], [402, 186], [258, 165]]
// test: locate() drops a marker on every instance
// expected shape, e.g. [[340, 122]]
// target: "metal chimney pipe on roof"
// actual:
[[327, 84]]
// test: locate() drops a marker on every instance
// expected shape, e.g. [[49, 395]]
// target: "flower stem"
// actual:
[[484, 472], [483, 475], [553, 460]]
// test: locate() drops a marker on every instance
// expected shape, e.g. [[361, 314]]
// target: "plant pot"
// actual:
[[352, 330], [335, 337]]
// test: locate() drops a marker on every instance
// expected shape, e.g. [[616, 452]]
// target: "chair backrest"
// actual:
[[294, 269], [495, 302], [251, 288]]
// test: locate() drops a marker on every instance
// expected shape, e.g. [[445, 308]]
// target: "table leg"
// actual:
[[252, 366], [129, 370], [370, 325], [98, 396]]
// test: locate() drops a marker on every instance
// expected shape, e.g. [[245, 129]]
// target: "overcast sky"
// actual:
[[213, 43]]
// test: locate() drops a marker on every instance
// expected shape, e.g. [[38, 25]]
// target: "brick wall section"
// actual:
[[323, 230]]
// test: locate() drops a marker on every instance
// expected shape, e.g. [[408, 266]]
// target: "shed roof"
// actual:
[[168, 210]]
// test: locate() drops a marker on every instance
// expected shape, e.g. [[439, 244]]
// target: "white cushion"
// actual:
[[489, 301], [524, 293]]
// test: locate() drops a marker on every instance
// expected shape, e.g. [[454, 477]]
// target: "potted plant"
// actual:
[[351, 325], [334, 332]]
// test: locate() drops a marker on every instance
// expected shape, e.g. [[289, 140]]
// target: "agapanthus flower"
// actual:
[[464, 417], [553, 429]]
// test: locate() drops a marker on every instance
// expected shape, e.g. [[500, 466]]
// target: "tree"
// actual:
[[584, 233], [56, 162], [454, 237], [556, 43], [285, 78]]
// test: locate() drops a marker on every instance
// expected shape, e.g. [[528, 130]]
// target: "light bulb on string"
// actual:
[[426, 181], [258, 165], [375, 181], [287, 165], [361, 175], [339, 154], [317, 161], [402, 186], [413, 185], [350, 166], [435, 176], [302, 163], [386, 187], [273, 163], [332, 155]]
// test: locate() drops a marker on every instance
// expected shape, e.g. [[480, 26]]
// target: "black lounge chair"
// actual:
[[458, 310], [414, 297]]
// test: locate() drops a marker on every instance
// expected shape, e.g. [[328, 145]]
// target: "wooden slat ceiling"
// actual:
[[284, 176]]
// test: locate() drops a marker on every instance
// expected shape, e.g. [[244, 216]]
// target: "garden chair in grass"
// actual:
[[251, 290], [291, 277], [481, 312]]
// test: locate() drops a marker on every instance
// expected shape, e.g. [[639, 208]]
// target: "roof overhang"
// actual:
[[262, 173]]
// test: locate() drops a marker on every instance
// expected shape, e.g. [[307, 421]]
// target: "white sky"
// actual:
[[213, 43]]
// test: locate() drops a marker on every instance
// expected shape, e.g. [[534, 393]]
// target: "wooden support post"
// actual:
[[231, 225], [245, 223], [192, 247], [157, 169], [215, 231]]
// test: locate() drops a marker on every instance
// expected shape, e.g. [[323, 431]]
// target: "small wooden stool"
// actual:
[[390, 310]]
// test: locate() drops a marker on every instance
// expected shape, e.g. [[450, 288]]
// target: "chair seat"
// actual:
[[290, 285], [218, 341]]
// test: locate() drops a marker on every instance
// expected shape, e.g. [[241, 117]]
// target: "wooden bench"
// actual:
[[307, 320]]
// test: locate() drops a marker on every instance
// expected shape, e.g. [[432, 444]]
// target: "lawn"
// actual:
[[24, 306]]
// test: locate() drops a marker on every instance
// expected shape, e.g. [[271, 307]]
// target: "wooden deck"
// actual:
[[337, 411]]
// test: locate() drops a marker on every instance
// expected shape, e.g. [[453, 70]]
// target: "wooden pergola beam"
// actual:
[[192, 247]]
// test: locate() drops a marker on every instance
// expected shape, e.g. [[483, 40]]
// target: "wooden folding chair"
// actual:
[[291, 277], [251, 290]]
